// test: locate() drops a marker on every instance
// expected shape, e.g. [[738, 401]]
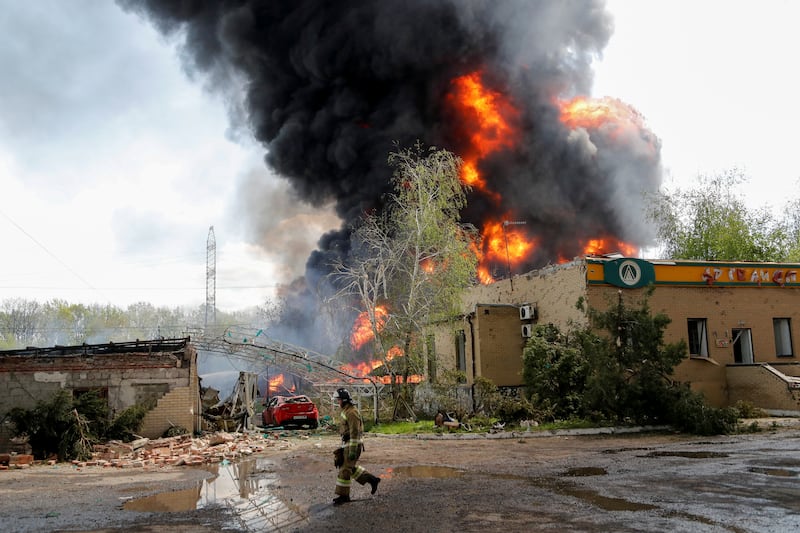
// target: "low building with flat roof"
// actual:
[[738, 320]]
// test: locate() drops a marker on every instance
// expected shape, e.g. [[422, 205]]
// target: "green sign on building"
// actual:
[[629, 273]]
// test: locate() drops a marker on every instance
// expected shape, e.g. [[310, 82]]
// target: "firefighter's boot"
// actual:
[[339, 500], [373, 482]]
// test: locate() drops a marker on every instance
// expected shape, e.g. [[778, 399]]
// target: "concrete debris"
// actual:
[[182, 450]]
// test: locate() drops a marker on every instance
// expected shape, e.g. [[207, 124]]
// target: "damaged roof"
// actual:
[[137, 346]]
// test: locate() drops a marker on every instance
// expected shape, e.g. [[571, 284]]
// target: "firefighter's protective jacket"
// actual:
[[351, 429]]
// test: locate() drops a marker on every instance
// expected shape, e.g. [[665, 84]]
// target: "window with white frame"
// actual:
[[783, 337], [698, 337]]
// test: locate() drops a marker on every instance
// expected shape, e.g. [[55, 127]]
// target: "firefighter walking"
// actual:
[[351, 428]]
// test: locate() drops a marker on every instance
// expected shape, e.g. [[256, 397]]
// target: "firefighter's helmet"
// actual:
[[343, 394]]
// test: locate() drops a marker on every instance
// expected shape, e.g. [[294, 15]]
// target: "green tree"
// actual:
[[554, 370], [414, 259], [631, 366], [792, 214], [617, 370], [711, 222]]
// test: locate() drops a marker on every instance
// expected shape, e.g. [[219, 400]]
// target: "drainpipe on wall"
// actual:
[[472, 349]]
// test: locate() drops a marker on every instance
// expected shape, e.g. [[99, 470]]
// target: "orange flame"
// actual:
[[428, 266], [365, 368], [489, 117], [362, 328], [502, 244], [610, 245], [393, 352], [276, 383], [611, 117], [594, 113]]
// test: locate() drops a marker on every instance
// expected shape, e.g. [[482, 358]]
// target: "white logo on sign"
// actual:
[[630, 273]]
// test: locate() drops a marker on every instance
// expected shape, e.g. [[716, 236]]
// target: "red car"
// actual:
[[290, 411]]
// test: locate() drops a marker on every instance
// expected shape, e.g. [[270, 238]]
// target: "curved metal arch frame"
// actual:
[[322, 372]]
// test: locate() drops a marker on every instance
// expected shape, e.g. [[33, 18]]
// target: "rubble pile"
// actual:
[[182, 450]]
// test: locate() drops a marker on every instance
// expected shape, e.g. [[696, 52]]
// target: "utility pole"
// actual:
[[211, 278], [505, 236]]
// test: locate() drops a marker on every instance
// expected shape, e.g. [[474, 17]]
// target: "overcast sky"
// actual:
[[114, 163]]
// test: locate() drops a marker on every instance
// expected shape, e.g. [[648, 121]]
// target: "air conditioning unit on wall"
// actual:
[[527, 330], [526, 312]]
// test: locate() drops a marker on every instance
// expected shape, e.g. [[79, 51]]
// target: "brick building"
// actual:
[[739, 322], [161, 374]]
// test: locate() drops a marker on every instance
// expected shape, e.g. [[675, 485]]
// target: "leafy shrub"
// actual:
[[68, 427], [515, 409], [448, 396], [486, 396], [748, 410], [53, 427], [127, 424], [691, 414]]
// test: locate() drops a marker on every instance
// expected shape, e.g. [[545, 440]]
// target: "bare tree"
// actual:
[[19, 323], [411, 262]]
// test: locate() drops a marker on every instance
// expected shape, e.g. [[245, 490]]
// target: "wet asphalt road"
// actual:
[[740, 483], [522, 482]]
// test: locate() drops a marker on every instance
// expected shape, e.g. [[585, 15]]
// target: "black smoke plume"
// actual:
[[330, 86]]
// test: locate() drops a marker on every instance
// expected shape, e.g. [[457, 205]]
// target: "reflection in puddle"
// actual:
[[688, 455], [424, 471], [243, 487], [604, 502], [166, 502]]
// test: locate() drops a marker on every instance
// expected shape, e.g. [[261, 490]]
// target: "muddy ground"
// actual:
[[510, 482]]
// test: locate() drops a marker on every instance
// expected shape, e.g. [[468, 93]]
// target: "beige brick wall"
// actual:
[[725, 309], [179, 407], [761, 388], [176, 408], [553, 290]]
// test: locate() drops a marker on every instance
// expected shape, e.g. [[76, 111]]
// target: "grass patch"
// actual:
[[403, 427], [576, 423]]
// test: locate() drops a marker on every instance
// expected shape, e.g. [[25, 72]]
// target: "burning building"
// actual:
[[328, 89]]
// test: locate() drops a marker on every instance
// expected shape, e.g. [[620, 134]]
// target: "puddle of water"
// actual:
[[780, 472], [605, 502], [787, 462], [688, 455], [590, 496], [424, 471], [243, 487], [166, 502], [611, 451], [585, 471]]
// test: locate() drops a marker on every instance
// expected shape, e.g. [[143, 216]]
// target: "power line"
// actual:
[[51, 254]]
